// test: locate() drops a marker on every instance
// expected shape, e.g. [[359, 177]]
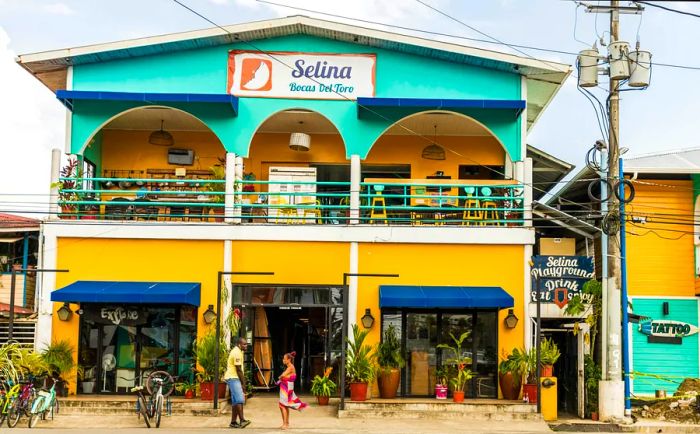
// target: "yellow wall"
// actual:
[[661, 262], [135, 260], [465, 265], [292, 262], [130, 150]]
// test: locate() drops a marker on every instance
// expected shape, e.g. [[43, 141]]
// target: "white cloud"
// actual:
[[58, 9], [32, 122]]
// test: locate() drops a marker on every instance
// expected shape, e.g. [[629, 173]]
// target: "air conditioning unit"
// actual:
[[181, 157]]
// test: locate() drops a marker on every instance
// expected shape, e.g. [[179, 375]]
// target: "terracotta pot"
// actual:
[[547, 370], [323, 400], [218, 215], [458, 396], [594, 415], [207, 391], [531, 391], [189, 394], [388, 383], [510, 386], [358, 391]]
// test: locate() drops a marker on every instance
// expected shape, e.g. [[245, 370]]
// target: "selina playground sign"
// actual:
[[558, 279], [301, 75]]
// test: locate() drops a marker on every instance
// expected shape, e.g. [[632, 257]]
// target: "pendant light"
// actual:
[[300, 141], [433, 151], [161, 137]]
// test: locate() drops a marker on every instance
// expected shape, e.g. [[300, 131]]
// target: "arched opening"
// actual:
[[297, 151], [129, 155], [427, 160]]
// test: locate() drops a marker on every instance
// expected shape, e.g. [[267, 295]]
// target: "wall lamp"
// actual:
[[209, 315], [510, 320], [367, 319], [64, 313]]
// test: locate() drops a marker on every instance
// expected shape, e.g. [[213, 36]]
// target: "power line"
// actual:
[[669, 9]]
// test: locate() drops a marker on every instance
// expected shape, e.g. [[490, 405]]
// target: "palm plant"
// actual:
[[323, 385], [388, 352], [458, 360], [59, 357], [359, 367], [10, 355], [549, 352], [205, 350]]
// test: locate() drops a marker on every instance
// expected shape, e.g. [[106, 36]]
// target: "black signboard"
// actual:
[[115, 314], [560, 278]]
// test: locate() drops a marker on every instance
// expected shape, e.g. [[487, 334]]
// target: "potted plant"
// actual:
[[527, 360], [186, 388], [218, 173], [510, 375], [591, 374], [459, 362], [205, 351], [358, 365], [59, 358], [390, 362], [441, 383], [71, 172], [323, 387], [86, 379], [549, 354]]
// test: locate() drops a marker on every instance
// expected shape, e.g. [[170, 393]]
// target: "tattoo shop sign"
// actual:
[[301, 75], [667, 328], [559, 278], [117, 315]]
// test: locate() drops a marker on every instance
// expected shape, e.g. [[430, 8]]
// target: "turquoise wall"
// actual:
[[204, 70], [666, 360]]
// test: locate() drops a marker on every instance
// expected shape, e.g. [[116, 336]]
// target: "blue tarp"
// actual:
[[444, 297], [92, 291]]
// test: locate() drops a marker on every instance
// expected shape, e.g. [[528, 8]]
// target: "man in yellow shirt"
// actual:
[[235, 379]]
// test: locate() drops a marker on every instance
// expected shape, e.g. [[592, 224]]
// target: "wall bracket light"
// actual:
[[510, 320], [367, 319]]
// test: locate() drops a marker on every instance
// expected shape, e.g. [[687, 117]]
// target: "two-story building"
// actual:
[[304, 148]]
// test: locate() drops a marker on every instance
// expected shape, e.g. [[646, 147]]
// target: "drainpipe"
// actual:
[[355, 177], [626, 368]]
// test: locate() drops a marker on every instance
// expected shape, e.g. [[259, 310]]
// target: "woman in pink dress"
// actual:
[[288, 399]]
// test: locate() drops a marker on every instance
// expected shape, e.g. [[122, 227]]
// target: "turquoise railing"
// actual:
[[298, 202]]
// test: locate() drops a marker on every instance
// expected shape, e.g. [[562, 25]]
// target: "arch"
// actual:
[[450, 112], [100, 127]]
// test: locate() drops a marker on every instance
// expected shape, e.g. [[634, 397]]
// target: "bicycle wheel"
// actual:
[[4, 409], [159, 409], [167, 384], [14, 413], [34, 419], [55, 407], [144, 411]]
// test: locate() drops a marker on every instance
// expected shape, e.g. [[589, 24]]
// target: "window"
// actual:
[[88, 173]]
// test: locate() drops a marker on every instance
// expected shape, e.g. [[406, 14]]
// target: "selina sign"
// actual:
[[301, 75], [559, 278], [667, 329]]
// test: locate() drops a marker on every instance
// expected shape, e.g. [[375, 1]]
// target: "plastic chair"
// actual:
[[316, 212], [490, 211], [378, 208], [472, 213]]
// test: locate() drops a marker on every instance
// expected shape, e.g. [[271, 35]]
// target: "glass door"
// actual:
[[117, 364], [421, 341], [157, 349]]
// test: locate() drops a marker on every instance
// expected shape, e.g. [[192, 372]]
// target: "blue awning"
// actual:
[[516, 105], [92, 291], [444, 297], [68, 96]]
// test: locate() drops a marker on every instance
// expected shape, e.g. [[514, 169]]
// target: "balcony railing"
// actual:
[[398, 202]]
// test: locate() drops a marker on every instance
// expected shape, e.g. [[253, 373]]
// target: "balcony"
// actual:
[[380, 201]]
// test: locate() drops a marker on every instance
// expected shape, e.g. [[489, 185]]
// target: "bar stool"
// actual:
[[313, 209], [378, 208], [472, 213], [490, 208]]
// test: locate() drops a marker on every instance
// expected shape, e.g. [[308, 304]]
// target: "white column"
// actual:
[[226, 301], [47, 283], [527, 180], [527, 284], [229, 199], [69, 114], [355, 177], [352, 283], [54, 209]]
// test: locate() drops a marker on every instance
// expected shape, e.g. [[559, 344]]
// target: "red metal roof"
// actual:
[[4, 307], [16, 221]]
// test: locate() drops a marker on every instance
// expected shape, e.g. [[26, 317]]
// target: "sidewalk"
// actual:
[[265, 415]]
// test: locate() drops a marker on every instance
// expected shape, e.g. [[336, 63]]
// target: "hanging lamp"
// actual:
[[161, 137], [300, 142], [433, 151]]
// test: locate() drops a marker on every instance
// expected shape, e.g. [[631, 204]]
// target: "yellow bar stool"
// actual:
[[472, 213], [378, 208], [490, 209], [316, 212]]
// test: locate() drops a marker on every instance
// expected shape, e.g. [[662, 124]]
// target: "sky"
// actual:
[[662, 117]]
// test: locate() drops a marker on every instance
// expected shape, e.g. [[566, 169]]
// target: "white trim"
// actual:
[[527, 285], [353, 286], [42, 335], [226, 302], [291, 21], [69, 114], [523, 118], [330, 233]]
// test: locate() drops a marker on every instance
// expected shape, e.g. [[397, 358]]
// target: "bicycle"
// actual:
[[21, 402], [44, 403], [7, 398], [159, 385]]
